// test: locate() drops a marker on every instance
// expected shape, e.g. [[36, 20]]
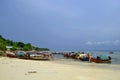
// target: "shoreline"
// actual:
[[13, 69], [87, 64]]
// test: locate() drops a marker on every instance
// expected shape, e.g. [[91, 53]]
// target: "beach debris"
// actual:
[[32, 71]]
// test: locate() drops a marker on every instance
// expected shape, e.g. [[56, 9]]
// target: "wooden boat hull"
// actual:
[[39, 57], [99, 60]]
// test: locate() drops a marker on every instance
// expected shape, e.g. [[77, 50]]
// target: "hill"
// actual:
[[4, 43]]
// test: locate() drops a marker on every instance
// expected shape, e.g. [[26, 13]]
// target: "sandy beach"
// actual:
[[18, 69]]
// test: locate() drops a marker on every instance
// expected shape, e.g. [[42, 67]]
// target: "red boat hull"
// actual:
[[11, 55], [99, 60]]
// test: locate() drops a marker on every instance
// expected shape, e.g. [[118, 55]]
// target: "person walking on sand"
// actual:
[[52, 56]]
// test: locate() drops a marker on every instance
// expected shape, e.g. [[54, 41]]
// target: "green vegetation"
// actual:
[[18, 45]]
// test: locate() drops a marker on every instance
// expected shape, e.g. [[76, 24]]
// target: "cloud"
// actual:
[[89, 43], [115, 42]]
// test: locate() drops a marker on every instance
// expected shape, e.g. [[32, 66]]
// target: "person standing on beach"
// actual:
[[89, 56]]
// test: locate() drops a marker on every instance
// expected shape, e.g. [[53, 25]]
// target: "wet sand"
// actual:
[[17, 69]]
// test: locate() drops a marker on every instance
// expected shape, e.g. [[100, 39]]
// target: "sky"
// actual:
[[62, 24]]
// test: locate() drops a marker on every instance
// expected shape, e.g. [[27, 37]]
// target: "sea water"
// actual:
[[115, 57]]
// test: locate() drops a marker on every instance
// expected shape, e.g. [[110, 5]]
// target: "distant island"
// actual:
[[9, 44]]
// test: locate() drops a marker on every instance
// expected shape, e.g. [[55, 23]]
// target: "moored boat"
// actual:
[[100, 59], [42, 56], [10, 54], [82, 56], [22, 54], [39, 57]]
